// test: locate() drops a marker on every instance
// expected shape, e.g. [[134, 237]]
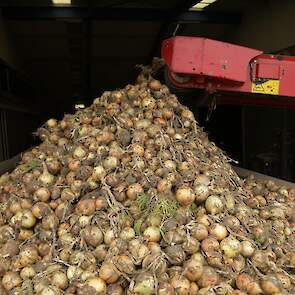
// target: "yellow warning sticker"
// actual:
[[271, 87]]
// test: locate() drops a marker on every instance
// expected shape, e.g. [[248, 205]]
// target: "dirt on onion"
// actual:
[[129, 196]]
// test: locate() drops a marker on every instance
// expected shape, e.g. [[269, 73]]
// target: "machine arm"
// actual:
[[216, 66]]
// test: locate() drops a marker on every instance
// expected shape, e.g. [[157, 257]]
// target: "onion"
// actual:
[[79, 152], [214, 258], [49, 291], [84, 220], [9, 249], [15, 206], [134, 190], [143, 124], [199, 231], [284, 280], [24, 234], [63, 229], [199, 258], [154, 247], [115, 289], [53, 166], [270, 285], [67, 194], [44, 248], [92, 235], [124, 264], [193, 269], [46, 178], [230, 246], [109, 236], [62, 142], [26, 203], [127, 234], [98, 173], [170, 165], [243, 280], [51, 123], [164, 185], [28, 255], [214, 205], [100, 203], [86, 207], [144, 284], [64, 254], [187, 114], [86, 274], [28, 220], [208, 278], [100, 252], [27, 272], [110, 163], [74, 164], [138, 250], [191, 245], [50, 222], [60, 280], [181, 284], [185, 196], [74, 272], [209, 244], [42, 194], [254, 288], [202, 192], [218, 231], [238, 263], [232, 222], [155, 85], [11, 280], [137, 149], [154, 220], [104, 137], [152, 234], [40, 209], [247, 248], [109, 273], [277, 212], [175, 254], [165, 288]]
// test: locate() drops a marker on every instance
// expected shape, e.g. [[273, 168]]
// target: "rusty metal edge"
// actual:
[[243, 173]]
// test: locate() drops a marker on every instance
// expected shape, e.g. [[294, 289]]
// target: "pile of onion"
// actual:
[[129, 196]]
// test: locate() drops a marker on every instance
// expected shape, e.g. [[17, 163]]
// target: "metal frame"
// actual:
[[4, 148], [128, 14]]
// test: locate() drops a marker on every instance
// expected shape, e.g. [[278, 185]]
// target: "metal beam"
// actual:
[[126, 14], [109, 59], [208, 17], [40, 13]]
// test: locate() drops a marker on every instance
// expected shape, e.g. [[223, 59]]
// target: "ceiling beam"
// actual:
[[126, 14]]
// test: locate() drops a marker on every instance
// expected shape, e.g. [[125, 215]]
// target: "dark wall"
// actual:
[[269, 141], [16, 132], [259, 138]]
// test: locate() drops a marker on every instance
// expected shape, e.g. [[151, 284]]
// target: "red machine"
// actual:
[[226, 68]]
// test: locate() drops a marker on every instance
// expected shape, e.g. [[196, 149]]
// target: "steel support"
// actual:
[[128, 14]]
